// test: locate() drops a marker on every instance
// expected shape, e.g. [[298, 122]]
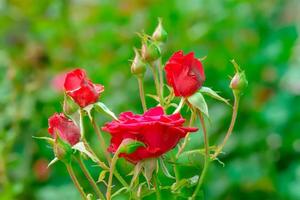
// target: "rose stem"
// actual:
[[157, 190], [181, 148], [90, 178], [101, 139], [75, 181], [230, 129], [157, 85], [111, 171], [207, 159], [142, 93], [181, 103], [101, 164], [161, 76]]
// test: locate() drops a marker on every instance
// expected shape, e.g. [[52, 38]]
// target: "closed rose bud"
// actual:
[[185, 74], [150, 51], [81, 89], [138, 67], [64, 128], [159, 34], [239, 82]]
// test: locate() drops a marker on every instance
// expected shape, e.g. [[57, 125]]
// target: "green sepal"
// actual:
[[197, 100], [62, 150], [129, 146], [101, 108], [213, 94], [47, 139]]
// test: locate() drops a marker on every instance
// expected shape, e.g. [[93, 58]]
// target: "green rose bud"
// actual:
[[138, 67], [150, 51], [239, 81], [62, 150], [159, 34]]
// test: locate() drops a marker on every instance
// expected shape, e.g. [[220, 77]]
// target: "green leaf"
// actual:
[[210, 92], [198, 101], [101, 177], [81, 148], [165, 169], [100, 107], [129, 146], [186, 182]]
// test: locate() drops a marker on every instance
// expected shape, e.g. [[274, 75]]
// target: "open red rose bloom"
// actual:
[[81, 89], [159, 132], [184, 73], [64, 127]]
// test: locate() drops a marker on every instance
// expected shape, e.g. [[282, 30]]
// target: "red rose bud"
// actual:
[[239, 82], [184, 74], [150, 51], [81, 89], [160, 35], [64, 128], [138, 67], [158, 132]]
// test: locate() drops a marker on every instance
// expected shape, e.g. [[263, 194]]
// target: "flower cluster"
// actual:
[[142, 139]]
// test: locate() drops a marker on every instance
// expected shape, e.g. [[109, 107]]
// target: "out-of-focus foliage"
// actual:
[[40, 39]]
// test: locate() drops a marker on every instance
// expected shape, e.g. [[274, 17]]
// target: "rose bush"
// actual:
[[142, 139]]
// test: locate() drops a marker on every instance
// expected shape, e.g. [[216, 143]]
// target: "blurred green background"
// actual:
[[42, 38]]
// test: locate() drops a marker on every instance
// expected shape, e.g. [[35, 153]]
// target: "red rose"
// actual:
[[159, 132], [64, 127], [81, 89], [184, 73]]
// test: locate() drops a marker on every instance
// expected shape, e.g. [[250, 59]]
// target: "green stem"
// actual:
[[103, 166], [157, 84], [75, 181], [207, 158], [90, 178], [89, 148], [156, 185], [181, 103], [176, 171], [112, 169], [142, 93], [101, 139], [181, 148], [161, 77], [231, 126]]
